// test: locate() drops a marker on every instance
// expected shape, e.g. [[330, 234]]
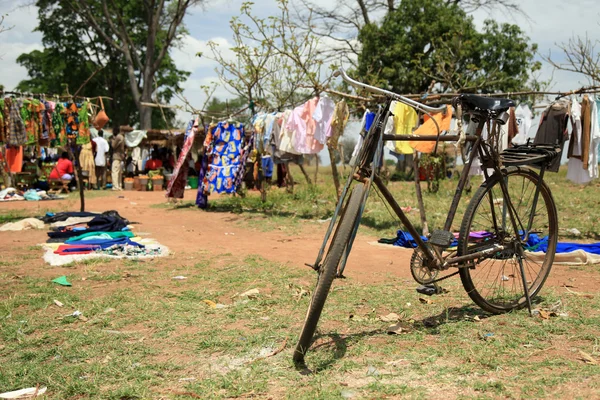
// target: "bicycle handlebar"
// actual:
[[397, 97]]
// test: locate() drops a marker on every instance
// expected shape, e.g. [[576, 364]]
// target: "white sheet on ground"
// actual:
[[27, 223]]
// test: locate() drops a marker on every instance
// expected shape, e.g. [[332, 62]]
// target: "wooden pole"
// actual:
[[305, 174], [317, 168], [75, 158], [335, 173], [420, 194]]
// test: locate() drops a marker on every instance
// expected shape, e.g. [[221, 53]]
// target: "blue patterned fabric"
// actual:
[[224, 160]]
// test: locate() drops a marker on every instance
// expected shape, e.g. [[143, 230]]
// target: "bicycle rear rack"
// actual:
[[534, 155]]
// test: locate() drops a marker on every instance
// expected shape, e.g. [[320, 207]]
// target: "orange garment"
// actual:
[[429, 128], [14, 158]]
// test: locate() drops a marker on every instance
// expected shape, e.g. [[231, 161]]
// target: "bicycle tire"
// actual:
[[493, 295], [328, 270]]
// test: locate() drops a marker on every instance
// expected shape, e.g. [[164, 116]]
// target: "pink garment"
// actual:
[[304, 126]]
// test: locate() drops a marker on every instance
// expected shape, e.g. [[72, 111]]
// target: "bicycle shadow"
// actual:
[[337, 347]]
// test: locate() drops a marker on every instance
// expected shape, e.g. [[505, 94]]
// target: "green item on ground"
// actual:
[[62, 280], [101, 235], [193, 182]]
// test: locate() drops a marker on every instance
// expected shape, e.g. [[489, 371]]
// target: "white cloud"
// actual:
[[13, 73], [185, 55]]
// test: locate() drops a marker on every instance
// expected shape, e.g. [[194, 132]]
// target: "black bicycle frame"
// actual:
[[377, 128]]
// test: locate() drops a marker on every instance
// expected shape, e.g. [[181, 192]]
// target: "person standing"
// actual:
[[118, 146], [102, 149]]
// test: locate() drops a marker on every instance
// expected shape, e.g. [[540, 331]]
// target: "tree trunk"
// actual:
[[335, 173], [364, 11], [289, 179], [420, 195]]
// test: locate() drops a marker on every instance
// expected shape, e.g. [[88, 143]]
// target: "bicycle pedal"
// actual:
[[441, 238], [430, 290], [312, 266]]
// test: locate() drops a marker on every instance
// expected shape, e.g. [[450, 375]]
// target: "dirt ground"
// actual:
[[189, 230]]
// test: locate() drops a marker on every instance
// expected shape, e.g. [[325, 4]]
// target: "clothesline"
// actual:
[[436, 96], [29, 94]]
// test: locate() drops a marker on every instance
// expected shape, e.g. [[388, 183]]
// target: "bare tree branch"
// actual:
[[581, 56]]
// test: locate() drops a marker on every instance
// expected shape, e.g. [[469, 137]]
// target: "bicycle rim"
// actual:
[[494, 282]]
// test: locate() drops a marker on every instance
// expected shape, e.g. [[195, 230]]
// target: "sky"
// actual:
[[548, 23]]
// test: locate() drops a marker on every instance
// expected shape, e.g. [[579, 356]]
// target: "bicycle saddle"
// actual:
[[481, 103]]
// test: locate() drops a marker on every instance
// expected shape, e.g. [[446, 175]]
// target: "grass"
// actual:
[[147, 336]]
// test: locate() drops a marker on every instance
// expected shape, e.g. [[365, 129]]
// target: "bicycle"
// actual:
[[509, 216]]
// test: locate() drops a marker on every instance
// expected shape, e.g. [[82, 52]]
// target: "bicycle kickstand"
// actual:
[[525, 286]]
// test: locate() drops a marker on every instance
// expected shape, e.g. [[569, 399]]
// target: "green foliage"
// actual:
[[73, 52], [432, 40]]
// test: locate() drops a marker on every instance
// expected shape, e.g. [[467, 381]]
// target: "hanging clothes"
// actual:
[[258, 122], [524, 118], [511, 126], [58, 123], [86, 161], [270, 120], [14, 127], [176, 186], [323, 115], [224, 158], [14, 158], [594, 139], [304, 126], [575, 171], [575, 140], [338, 123], [286, 133], [443, 119], [553, 129], [405, 119]]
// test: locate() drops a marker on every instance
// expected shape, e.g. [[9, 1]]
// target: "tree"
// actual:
[[101, 70], [340, 24], [274, 60], [430, 40], [581, 56], [142, 32], [275, 63]]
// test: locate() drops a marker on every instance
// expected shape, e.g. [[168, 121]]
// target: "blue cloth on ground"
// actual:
[[105, 243], [535, 243]]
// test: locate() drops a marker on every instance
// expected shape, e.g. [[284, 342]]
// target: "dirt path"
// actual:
[[187, 230]]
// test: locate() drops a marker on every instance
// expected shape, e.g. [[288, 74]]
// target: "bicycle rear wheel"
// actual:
[[494, 281], [328, 269]]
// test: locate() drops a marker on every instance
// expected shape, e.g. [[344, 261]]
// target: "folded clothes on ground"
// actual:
[[100, 235], [100, 223], [65, 249]]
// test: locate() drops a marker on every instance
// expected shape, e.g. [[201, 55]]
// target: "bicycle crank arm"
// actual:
[[469, 257]]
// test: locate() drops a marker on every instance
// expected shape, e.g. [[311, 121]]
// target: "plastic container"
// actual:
[[157, 185], [136, 183], [128, 185], [143, 184], [193, 182]]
